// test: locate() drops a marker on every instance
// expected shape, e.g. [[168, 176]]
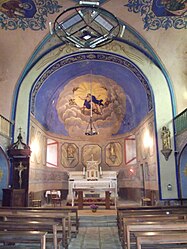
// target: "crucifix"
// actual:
[[20, 169]]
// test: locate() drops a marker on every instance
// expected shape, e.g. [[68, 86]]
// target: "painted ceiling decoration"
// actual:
[[24, 14], [60, 99], [158, 14], [32, 14]]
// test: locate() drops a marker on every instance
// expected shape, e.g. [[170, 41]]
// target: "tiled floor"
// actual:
[[97, 231], [96, 238]]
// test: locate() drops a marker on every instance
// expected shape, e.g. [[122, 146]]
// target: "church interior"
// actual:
[[93, 118]]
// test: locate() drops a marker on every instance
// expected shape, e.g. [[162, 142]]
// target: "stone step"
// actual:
[[98, 221], [98, 224]]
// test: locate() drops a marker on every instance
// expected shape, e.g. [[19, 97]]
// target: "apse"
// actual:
[[122, 94]]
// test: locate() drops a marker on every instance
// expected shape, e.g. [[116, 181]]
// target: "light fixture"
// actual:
[[91, 129], [86, 26]]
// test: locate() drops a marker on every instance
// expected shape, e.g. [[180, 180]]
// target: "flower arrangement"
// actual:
[[93, 207]]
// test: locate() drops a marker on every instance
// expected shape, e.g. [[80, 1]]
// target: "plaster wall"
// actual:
[[17, 47], [129, 173], [160, 89]]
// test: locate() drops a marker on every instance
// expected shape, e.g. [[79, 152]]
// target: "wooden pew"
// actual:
[[145, 217], [161, 239], [50, 214], [71, 211], [51, 227], [154, 209], [147, 212], [148, 226], [24, 237], [152, 218], [151, 209], [60, 218]]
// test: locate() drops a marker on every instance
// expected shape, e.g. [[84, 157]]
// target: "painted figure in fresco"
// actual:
[[166, 140], [169, 7], [174, 5], [70, 151], [96, 104], [18, 8]]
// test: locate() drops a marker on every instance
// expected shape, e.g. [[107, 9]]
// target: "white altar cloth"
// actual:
[[94, 186], [107, 181]]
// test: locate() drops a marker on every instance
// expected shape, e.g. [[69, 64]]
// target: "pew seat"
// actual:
[[39, 217], [152, 227], [166, 238], [24, 237]]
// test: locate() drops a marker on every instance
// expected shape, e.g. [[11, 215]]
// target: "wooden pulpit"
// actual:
[[19, 155]]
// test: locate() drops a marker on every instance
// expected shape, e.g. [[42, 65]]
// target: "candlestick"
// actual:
[[83, 171], [101, 171], [50, 28]]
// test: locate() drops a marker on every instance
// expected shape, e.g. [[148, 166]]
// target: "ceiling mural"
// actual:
[[32, 14], [158, 14], [120, 94], [24, 14], [74, 105]]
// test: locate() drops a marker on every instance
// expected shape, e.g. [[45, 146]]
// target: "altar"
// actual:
[[92, 180], [104, 186]]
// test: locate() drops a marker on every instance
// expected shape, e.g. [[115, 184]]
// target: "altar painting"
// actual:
[[114, 154], [69, 155], [91, 152]]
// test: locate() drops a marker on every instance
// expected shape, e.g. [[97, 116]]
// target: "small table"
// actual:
[[50, 193], [36, 203], [146, 201]]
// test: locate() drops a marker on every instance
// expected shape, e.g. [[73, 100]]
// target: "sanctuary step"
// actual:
[[88, 201], [98, 221]]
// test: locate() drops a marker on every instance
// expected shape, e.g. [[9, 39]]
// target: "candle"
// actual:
[[100, 171], [50, 28], [83, 171]]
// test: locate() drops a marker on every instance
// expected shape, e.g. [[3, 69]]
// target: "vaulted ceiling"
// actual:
[[93, 70]]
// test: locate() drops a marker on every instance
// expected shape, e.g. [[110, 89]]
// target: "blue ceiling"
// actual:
[[54, 80]]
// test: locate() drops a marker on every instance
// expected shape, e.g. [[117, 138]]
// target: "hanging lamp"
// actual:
[[86, 26]]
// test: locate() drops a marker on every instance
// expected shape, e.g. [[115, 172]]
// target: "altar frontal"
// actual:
[[92, 183]]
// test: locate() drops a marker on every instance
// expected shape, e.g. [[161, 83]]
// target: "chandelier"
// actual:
[[86, 26]]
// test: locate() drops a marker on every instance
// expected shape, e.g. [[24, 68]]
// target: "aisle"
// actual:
[[97, 231]]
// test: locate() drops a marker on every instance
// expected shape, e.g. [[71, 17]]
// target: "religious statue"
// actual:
[[166, 142], [20, 169], [166, 139]]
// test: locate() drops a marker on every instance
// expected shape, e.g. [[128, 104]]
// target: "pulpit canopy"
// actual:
[[19, 149]]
